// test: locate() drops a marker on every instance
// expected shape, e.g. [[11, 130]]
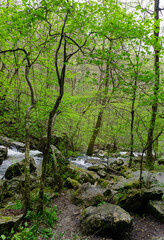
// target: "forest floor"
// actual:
[[144, 228]]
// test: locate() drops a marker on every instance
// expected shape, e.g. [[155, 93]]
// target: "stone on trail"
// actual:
[[136, 200], [106, 218], [156, 208]]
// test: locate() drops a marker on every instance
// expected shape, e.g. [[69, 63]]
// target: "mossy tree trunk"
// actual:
[[157, 48]]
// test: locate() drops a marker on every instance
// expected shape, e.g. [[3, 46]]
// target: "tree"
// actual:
[[157, 49]]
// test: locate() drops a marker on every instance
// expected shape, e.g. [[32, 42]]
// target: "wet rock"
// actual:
[[102, 153], [90, 195], [8, 142], [156, 208], [17, 169], [3, 154], [105, 218]]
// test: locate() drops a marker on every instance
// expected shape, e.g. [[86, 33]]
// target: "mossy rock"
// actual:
[[96, 168], [72, 183], [17, 169], [105, 218], [156, 208], [7, 222], [103, 183], [136, 200], [81, 175]]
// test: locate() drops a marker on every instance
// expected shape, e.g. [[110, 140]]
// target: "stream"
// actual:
[[82, 161]]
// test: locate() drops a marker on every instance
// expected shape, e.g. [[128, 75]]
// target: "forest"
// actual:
[[81, 78]]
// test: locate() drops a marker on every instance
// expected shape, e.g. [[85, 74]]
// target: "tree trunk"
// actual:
[[157, 48], [27, 197], [61, 78], [47, 153], [132, 124], [100, 115], [95, 133]]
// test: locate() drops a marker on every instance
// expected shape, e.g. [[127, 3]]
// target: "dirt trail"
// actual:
[[69, 223]]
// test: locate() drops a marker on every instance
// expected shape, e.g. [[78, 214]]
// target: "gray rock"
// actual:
[[136, 200], [3, 154], [126, 183], [106, 217], [8, 222], [90, 195], [156, 208]]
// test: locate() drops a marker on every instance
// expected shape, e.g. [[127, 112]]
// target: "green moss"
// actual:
[[5, 218], [103, 183]]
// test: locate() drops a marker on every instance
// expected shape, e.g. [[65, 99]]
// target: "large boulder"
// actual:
[[8, 142], [16, 186], [17, 169], [3, 154], [156, 208], [9, 219], [107, 218], [90, 195], [136, 200]]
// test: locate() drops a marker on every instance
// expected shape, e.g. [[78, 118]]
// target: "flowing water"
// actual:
[[14, 156], [82, 161]]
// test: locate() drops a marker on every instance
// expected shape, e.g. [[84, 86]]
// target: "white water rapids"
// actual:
[[14, 156]]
